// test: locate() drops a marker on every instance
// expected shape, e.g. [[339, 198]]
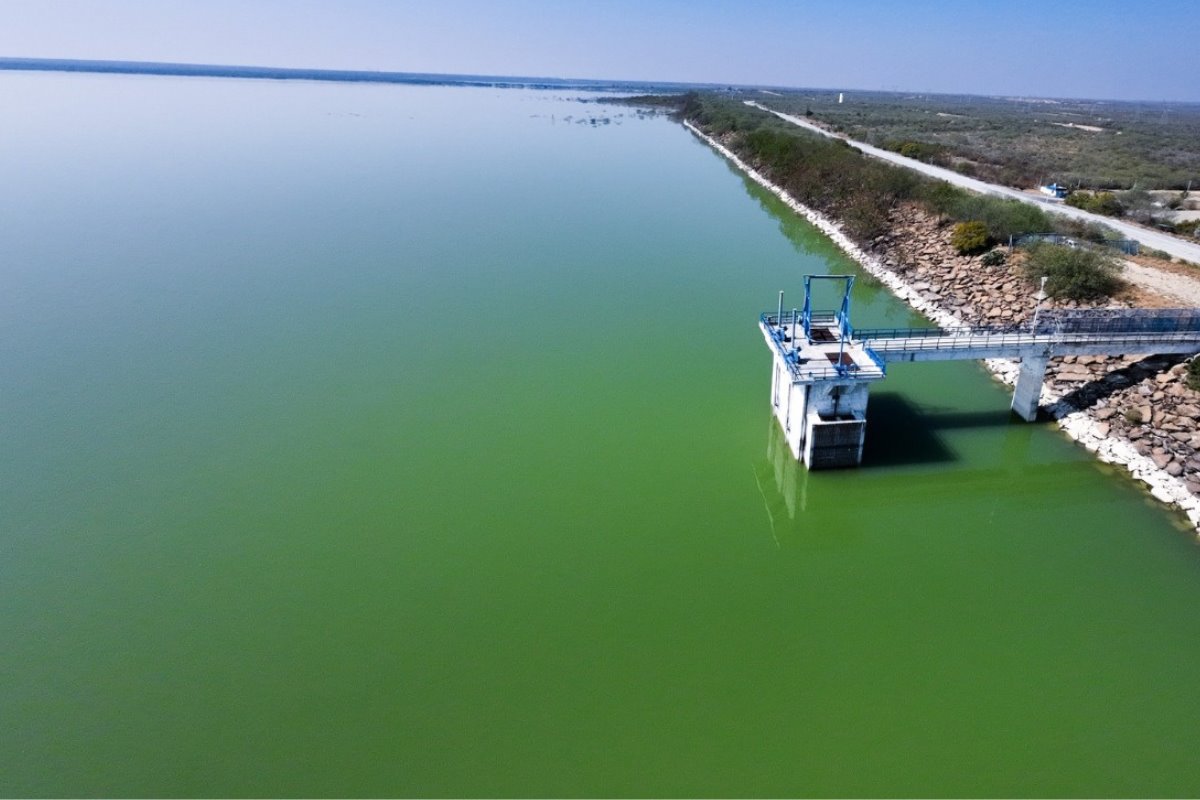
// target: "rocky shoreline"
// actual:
[[1133, 411]]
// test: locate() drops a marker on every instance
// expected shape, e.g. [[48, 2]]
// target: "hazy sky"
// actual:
[[1127, 49]]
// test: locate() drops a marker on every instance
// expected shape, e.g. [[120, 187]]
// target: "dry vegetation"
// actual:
[[1018, 141]]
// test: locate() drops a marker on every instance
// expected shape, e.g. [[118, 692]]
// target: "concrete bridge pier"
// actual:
[[1029, 386], [824, 422], [789, 401]]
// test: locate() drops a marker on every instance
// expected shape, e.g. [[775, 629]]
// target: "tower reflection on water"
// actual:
[[914, 465], [783, 482]]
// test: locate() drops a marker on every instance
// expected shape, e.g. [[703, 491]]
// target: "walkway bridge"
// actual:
[[823, 366]]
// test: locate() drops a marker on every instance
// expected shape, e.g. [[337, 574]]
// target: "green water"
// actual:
[[380, 440]]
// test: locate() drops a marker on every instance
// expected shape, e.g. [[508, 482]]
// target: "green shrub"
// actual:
[[1006, 218], [969, 237], [1087, 231], [993, 258], [1132, 416], [891, 183], [1074, 273], [1097, 202], [864, 219], [921, 151], [942, 198], [1107, 203], [1003, 218], [1193, 374], [1078, 199]]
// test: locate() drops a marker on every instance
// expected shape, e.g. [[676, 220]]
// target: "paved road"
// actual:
[[1157, 240]]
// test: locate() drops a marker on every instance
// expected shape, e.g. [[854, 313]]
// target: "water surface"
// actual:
[[386, 440]]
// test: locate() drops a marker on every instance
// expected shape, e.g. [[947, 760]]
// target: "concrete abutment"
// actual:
[[1029, 386]]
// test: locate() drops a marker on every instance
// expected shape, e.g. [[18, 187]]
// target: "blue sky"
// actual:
[[1102, 48]]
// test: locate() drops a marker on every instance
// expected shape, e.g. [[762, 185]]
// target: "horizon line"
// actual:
[[245, 71]]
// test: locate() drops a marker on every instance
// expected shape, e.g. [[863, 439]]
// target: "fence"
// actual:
[[1118, 321], [1130, 247]]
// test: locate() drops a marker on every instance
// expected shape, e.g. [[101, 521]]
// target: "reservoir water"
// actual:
[[386, 440]]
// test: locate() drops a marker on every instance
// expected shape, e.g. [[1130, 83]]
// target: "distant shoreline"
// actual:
[[339, 75]]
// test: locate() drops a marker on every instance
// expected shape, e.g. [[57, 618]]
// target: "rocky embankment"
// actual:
[[917, 248], [1135, 411], [1142, 402]]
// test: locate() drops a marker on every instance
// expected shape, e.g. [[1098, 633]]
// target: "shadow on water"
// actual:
[[900, 432], [902, 440]]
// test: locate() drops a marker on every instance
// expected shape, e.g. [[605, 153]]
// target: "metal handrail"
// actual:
[[1118, 321], [866, 334], [1065, 322], [875, 357], [1043, 336], [1017, 339], [1187, 328], [776, 324], [797, 317]]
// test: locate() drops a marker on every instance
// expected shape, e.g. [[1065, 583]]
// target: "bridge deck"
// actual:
[[934, 344], [832, 363]]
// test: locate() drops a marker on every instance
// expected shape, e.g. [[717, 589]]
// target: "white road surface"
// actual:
[[1157, 240]]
